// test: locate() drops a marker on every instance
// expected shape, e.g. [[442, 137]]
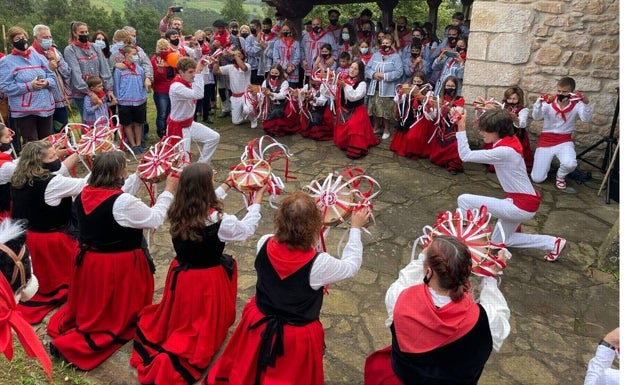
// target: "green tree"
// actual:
[[145, 21], [233, 9]]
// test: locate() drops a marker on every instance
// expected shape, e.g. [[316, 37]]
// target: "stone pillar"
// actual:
[[467, 9], [387, 8], [433, 13], [293, 10]]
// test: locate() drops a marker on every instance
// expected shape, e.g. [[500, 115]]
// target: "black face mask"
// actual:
[[333, 21], [385, 48], [83, 38], [234, 31], [326, 55], [285, 34], [253, 31], [52, 166], [274, 77], [401, 28], [561, 98], [21, 44], [266, 30], [174, 41], [459, 49], [449, 91], [244, 35], [316, 29], [200, 41], [511, 105], [415, 54], [366, 33], [5, 147], [417, 41], [452, 41]]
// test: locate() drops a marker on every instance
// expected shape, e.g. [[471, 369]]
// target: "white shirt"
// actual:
[[63, 186], [355, 94], [239, 79], [6, 171], [283, 91], [327, 269], [491, 299], [599, 371], [233, 229], [183, 98], [553, 122], [130, 211]]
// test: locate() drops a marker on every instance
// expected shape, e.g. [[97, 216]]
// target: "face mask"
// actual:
[[449, 91], [364, 50], [366, 33], [46, 43], [279, 23], [385, 48], [419, 85], [274, 77], [417, 41], [452, 41], [100, 43], [200, 41], [333, 21], [415, 54], [253, 31], [401, 28], [53, 166], [266, 30], [174, 42], [459, 49], [511, 105], [133, 41], [83, 38], [116, 46], [244, 35], [561, 98], [234, 32], [345, 36], [316, 29], [326, 55], [20, 45], [5, 147], [135, 58], [285, 34]]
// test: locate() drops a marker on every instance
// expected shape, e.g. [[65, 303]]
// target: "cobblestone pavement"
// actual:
[[559, 311]]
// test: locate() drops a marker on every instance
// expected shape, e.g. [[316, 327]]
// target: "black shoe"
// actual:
[[161, 132], [208, 120], [223, 114], [54, 351]]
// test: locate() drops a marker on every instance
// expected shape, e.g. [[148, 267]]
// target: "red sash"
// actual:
[[174, 127], [526, 202], [550, 139]]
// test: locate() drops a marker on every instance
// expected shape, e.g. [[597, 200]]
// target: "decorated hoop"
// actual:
[[250, 175], [101, 138], [335, 198], [161, 159], [474, 231]]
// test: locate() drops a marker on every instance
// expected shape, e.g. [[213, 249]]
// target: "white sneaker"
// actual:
[[254, 123], [385, 135]]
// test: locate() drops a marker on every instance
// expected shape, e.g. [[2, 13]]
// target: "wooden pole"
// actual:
[[4, 39], [608, 172]]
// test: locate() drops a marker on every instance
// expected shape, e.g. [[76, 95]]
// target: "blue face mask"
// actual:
[[46, 43], [116, 46], [135, 58], [100, 43]]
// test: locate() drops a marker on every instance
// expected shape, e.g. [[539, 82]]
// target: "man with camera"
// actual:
[[169, 22]]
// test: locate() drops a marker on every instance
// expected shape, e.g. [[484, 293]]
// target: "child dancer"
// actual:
[[317, 121], [92, 112], [278, 119]]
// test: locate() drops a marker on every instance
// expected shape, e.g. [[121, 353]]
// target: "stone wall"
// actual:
[[534, 43]]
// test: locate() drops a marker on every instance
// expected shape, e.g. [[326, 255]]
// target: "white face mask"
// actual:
[[364, 50], [345, 36], [100, 43]]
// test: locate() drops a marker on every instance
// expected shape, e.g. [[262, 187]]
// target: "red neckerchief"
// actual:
[[390, 52], [331, 28], [4, 158], [435, 327], [268, 36], [223, 38], [84, 46], [92, 197], [559, 111], [346, 46], [24, 54], [131, 66], [100, 95], [510, 141], [178, 79], [287, 261], [288, 41], [320, 35], [11, 320], [38, 49], [350, 81], [365, 58], [163, 54], [205, 49], [516, 109], [273, 84]]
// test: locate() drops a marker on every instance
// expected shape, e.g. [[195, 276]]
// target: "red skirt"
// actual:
[[323, 131], [286, 125], [354, 133], [417, 144], [177, 338], [52, 256], [444, 151], [378, 369], [302, 362], [107, 292]]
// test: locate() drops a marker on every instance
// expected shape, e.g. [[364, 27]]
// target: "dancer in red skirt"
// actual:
[[280, 339], [177, 338], [42, 191], [440, 335], [112, 278], [7, 168], [279, 117], [353, 132], [444, 144], [317, 121], [412, 130]]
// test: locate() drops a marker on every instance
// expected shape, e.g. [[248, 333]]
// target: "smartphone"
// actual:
[[39, 77], [451, 53], [177, 9]]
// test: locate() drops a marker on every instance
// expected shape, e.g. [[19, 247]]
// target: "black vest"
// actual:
[[99, 231], [5, 197], [350, 105], [29, 203], [206, 253], [291, 298], [460, 362]]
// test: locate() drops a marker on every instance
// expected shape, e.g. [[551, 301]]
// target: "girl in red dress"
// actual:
[[280, 339], [177, 338], [279, 117], [7, 167], [353, 132], [444, 144], [112, 276]]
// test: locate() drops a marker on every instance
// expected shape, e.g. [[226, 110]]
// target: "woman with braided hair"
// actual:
[[440, 335]]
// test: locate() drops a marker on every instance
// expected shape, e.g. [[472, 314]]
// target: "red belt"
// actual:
[[238, 95]]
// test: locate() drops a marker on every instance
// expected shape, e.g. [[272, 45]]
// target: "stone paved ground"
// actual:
[[558, 311]]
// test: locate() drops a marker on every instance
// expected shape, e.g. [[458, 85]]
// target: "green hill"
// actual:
[[251, 6]]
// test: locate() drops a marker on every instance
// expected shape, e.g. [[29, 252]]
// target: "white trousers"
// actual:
[[509, 217], [544, 156], [197, 132], [239, 112]]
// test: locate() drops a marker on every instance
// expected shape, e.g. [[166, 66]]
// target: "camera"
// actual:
[[451, 53], [177, 9]]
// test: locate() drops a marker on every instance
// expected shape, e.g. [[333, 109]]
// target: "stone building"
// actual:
[[534, 43]]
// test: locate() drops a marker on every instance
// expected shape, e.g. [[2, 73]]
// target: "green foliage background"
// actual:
[[110, 15]]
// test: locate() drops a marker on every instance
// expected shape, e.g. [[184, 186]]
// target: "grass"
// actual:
[[215, 5]]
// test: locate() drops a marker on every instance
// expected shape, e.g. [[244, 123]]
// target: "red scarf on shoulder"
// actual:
[[288, 41], [510, 141], [287, 261]]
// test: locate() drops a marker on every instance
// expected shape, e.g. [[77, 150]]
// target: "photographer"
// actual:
[[451, 62], [169, 22]]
